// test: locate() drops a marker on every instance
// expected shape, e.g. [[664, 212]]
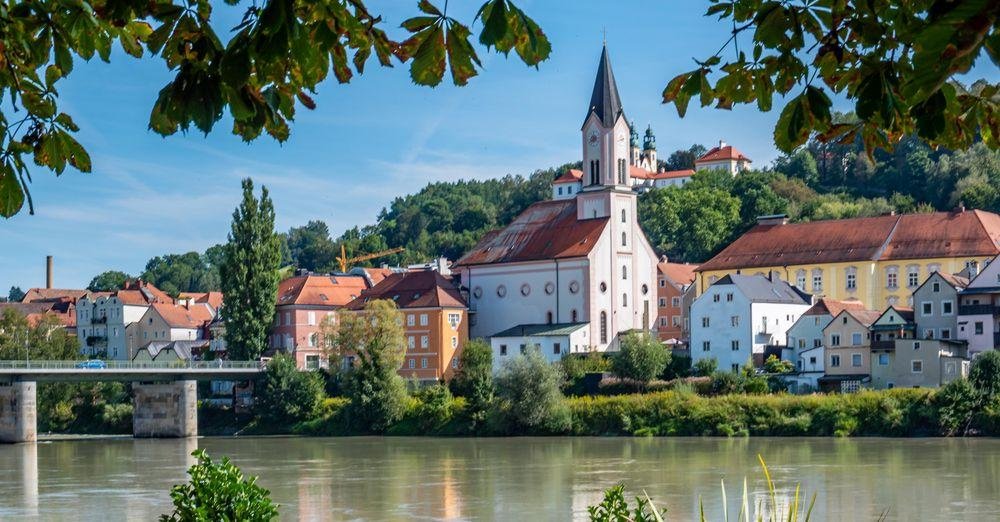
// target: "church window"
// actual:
[[574, 287], [573, 316], [549, 288], [624, 239], [645, 289], [597, 171], [623, 215], [621, 171], [603, 286], [624, 272], [501, 291], [548, 317], [604, 327], [624, 299], [525, 289]]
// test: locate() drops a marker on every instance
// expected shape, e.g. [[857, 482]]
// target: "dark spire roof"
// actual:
[[605, 102]]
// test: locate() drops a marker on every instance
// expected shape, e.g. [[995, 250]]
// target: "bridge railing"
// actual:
[[130, 365]]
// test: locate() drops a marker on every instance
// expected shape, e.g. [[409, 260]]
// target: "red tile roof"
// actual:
[[726, 152], [570, 176], [833, 307], [865, 317], [63, 310], [141, 293], [180, 316], [377, 275], [213, 299], [908, 236], [320, 290], [673, 174], [677, 273], [419, 289], [640, 173], [545, 230], [44, 294]]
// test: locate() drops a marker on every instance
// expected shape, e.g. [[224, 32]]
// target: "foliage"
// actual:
[[956, 402], [249, 275], [474, 378], [219, 492], [311, 248], [109, 281], [984, 374], [15, 294], [190, 272], [46, 340], [286, 395], [434, 408], [690, 222], [640, 357], [895, 62], [374, 338], [706, 367], [615, 508], [279, 53], [575, 366], [528, 388], [775, 365]]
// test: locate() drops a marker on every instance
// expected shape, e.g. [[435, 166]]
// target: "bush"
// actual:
[[575, 366], [678, 367], [434, 408], [474, 380], [984, 374], [706, 367], [117, 418], [219, 492], [640, 358], [286, 395], [529, 390]]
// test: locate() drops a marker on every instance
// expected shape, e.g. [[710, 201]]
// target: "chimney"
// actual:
[[773, 219], [722, 144], [48, 271]]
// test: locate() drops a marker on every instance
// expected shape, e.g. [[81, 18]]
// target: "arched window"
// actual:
[[573, 316], [548, 317], [624, 239], [623, 215], [624, 299], [604, 327], [624, 272]]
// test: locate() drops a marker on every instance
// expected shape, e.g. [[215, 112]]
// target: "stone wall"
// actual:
[[17, 412], [165, 410]]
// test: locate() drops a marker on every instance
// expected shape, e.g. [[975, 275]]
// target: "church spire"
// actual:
[[604, 101]]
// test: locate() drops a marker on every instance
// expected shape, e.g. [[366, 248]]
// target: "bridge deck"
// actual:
[[77, 371]]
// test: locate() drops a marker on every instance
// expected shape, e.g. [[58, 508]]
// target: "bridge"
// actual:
[[165, 400]]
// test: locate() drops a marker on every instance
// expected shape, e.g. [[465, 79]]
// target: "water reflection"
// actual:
[[505, 479]]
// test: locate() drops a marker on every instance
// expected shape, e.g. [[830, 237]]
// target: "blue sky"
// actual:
[[367, 142]]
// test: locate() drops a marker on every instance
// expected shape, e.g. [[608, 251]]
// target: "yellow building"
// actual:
[[878, 260]]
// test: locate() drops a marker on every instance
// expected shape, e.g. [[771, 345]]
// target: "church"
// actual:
[[574, 273]]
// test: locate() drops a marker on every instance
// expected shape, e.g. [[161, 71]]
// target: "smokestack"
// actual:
[[48, 271]]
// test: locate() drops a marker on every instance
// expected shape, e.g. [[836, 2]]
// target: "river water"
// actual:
[[509, 479]]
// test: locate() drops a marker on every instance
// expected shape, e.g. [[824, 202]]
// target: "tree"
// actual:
[[684, 159], [311, 248], [529, 390], [895, 62], [45, 340], [286, 395], [15, 294], [706, 367], [249, 274], [691, 222], [640, 358], [474, 379], [109, 281], [190, 272], [984, 374], [775, 365], [279, 54], [219, 492], [374, 338]]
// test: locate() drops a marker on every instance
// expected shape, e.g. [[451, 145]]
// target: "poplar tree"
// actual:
[[249, 272]]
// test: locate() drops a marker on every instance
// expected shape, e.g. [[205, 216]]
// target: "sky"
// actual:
[[366, 143]]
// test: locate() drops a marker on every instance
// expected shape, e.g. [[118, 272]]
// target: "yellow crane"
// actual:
[[344, 260]]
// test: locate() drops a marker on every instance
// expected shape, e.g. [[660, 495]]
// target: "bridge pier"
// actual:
[[165, 410], [17, 412]]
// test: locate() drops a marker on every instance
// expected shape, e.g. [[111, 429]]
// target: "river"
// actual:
[[508, 479]]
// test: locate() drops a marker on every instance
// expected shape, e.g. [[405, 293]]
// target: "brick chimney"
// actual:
[[48, 271]]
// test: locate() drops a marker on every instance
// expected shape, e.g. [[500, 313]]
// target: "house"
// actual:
[[847, 343], [303, 302], [805, 338], [171, 352], [926, 363], [673, 280], [212, 299], [739, 316], [567, 185], [102, 318], [552, 340], [723, 157], [579, 259], [435, 321], [979, 310], [170, 322], [935, 305], [877, 260], [63, 310], [893, 324]]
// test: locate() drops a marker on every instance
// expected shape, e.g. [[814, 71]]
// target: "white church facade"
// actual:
[[573, 273]]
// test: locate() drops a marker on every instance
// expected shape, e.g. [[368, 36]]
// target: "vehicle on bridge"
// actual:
[[92, 364]]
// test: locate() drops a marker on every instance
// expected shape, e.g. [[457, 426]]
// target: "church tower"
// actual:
[[606, 134], [649, 148]]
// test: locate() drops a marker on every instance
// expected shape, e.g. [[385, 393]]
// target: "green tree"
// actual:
[[957, 403], [640, 358], [109, 281], [984, 374], [311, 248], [691, 222], [45, 340], [684, 159], [474, 378], [705, 367], [375, 339], [190, 272], [286, 395], [249, 274], [529, 391], [896, 63], [219, 492], [775, 365], [801, 164], [15, 294], [277, 55]]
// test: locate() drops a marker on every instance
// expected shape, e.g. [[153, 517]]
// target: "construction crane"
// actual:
[[344, 260]]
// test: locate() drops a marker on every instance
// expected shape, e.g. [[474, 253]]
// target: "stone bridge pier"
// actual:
[[165, 410], [18, 421]]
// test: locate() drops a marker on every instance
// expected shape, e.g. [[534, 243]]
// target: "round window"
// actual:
[[604, 287], [645, 289], [477, 292], [525, 289], [550, 287], [501, 290], [574, 287]]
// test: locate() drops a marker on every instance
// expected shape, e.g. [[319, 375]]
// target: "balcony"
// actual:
[[884, 345], [978, 309], [97, 340]]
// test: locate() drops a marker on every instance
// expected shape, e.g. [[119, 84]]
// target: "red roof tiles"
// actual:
[[180, 316], [725, 152], [570, 176], [45, 294], [213, 299], [834, 307], [545, 230], [419, 289], [908, 236], [673, 174], [677, 273], [320, 290]]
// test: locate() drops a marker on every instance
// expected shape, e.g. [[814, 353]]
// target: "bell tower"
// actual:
[[606, 134]]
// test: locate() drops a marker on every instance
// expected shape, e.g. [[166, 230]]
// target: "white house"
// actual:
[[723, 157], [579, 259], [979, 310], [170, 322], [805, 338], [739, 315], [103, 318], [552, 340]]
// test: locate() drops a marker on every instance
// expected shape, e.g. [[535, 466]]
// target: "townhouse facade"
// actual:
[[979, 310], [805, 339], [848, 349], [103, 318], [673, 281]]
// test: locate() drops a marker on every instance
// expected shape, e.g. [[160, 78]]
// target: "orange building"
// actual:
[[673, 280], [435, 320]]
